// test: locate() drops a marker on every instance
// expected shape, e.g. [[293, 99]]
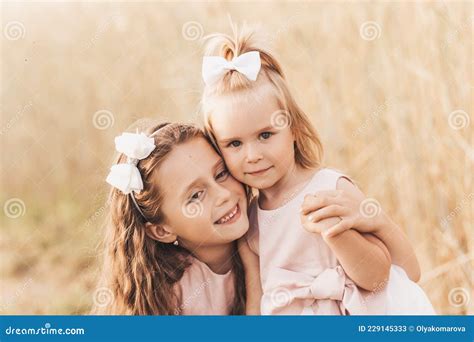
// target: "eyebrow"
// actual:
[[218, 164], [227, 140]]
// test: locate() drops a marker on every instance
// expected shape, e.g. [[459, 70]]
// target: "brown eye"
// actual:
[[223, 174], [196, 195]]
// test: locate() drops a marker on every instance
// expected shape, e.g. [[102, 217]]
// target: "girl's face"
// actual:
[[203, 204], [254, 136]]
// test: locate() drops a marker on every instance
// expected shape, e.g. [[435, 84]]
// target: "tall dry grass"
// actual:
[[392, 100]]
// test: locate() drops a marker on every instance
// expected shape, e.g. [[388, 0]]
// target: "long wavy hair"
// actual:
[[138, 272]]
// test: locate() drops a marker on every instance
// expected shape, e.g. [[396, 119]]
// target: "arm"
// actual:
[[399, 247], [397, 243], [387, 231], [252, 278], [345, 203], [364, 258]]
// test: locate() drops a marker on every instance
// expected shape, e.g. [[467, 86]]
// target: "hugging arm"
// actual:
[[347, 208], [253, 285]]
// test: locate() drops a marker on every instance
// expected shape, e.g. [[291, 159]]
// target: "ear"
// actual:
[[160, 232]]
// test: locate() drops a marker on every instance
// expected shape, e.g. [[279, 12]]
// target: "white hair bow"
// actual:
[[126, 176], [214, 67]]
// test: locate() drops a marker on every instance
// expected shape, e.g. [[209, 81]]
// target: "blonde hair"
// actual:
[[139, 272], [308, 146]]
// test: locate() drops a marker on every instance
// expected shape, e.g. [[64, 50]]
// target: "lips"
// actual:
[[231, 216], [259, 172]]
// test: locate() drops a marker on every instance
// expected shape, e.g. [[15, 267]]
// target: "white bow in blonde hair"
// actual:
[[214, 67]]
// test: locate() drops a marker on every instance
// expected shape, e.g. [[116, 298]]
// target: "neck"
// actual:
[[218, 258], [285, 188]]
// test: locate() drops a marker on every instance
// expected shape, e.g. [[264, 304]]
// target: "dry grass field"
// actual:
[[388, 85]]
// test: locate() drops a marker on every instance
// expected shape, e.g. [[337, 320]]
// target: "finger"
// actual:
[[337, 229], [332, 210], [327, 193], [320, 199], [313, 203], [313, 227]]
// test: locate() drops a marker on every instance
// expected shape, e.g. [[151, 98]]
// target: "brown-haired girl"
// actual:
[[175, 216]]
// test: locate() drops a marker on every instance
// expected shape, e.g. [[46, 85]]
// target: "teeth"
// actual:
[[228, 217]]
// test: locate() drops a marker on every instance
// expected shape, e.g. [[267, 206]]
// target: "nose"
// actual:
[[223, 195], [253, 153]]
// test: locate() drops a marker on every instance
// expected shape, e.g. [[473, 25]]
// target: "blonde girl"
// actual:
[[319, 254], [175, 215]]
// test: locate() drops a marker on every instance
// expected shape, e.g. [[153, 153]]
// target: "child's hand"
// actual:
[[308, 221], [332, 212], [336, 211]]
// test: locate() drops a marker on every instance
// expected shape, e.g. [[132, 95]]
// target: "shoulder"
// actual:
[[344, 183], [333, 179], [341, 181]]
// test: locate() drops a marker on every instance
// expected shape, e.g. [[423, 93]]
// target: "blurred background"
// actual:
[[388, 85]]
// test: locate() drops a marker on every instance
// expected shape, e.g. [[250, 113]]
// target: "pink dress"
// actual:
[[301, 275], [204, 292]]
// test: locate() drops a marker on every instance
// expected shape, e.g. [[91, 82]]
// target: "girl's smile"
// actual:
[[259, 172], [230, 217]]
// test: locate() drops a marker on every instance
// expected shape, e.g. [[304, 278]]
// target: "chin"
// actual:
[[261, 184], [243, 227], [236, 231]]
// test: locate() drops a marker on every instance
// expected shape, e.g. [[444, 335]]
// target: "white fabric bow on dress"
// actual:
[[214, 67], [126, 176], [296, 293]]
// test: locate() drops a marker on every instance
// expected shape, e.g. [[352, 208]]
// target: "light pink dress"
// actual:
[[204, 292], [301, 275]]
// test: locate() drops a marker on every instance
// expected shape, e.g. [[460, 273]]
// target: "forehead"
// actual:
[[186, 163], [244, 113]]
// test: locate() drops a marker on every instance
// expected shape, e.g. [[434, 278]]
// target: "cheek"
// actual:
[[192, 221], [281, 150], [286, 142], [233, 161], [235, 186], [195, 221], [186, 214]]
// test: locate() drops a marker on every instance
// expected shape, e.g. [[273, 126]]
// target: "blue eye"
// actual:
[[234, 143], [266, 135]]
